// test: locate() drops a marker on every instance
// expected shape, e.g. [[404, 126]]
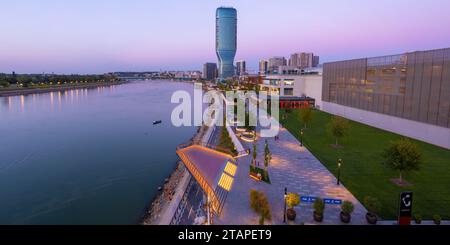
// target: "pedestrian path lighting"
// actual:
[[285, 196], [301, 138], [339, 171]]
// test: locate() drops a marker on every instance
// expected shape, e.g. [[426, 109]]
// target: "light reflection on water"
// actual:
[[86, 156]]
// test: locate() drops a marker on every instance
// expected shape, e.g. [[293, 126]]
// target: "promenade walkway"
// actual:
[[295, 168]]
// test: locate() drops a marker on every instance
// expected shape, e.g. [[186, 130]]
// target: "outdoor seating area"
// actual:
[[247, 136]]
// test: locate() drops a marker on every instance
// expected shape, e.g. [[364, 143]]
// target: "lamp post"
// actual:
[[301, 138], [339, 171], [285, 196]]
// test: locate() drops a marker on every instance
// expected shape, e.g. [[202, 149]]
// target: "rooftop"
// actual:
[[210, 163]]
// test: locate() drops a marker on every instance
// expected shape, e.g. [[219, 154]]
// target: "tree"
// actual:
[[306, 115], [254, 153], [267, 155], [260, 204], [4, 82], [257, 88], [249, 117], [338, 127], [402, 155]]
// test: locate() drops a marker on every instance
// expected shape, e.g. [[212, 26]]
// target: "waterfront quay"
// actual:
[[181, 199], [293, 168], [5, 92]]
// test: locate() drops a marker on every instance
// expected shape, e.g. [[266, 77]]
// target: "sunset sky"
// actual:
[[96, 36]]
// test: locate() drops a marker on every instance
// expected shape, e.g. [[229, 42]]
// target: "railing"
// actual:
[[215, 202], [207, 145]]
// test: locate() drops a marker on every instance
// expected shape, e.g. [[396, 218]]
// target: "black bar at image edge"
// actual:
[[224, 234]]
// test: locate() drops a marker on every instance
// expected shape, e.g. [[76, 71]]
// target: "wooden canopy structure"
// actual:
[[213, 170]]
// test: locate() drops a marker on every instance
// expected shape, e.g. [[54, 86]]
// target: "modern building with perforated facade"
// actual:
[[408, 94]]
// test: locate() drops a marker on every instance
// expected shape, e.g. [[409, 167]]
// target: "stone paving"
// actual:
[[295, 168]]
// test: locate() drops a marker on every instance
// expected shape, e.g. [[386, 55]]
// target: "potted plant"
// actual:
[[292, 200], [319, 207], [437, 219], [373, 206], [346, 211], [418, 218]]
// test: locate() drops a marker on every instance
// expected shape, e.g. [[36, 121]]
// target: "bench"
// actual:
[[255, 176]]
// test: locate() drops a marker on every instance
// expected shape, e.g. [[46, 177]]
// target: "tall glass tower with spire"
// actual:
[[226, 40]]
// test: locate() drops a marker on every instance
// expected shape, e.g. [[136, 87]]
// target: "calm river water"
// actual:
[[86, 156]]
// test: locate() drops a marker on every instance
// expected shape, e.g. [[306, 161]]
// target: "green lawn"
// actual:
[[363, 172]]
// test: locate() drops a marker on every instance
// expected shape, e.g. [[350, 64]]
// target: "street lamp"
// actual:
[[301, 138], [285, 196], [339, 171]]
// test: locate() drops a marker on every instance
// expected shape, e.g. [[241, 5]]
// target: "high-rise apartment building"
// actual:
[[303, 60], [408, 93], [316, 61], [294, 60], [306, 60], [241, 68], [276, 62], [210, 71], [263, 67], [226, 40]]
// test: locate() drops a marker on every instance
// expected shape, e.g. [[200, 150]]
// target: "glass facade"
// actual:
[[209, 71], [226, 40], [414, 86]]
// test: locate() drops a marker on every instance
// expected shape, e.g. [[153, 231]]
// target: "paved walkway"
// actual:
[[297, 169]]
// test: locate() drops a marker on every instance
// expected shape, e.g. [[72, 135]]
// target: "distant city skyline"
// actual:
[[106, 36]]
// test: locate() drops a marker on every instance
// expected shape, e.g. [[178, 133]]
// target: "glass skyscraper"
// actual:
[[226, 40]]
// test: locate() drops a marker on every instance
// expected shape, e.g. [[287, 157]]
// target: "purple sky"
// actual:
[[96, 36]]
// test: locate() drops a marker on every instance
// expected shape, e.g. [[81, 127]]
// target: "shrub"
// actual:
[[225, 141], [418, 218], [4, 84], [255, 202], [347, 207], [260, 204], [437, 219], [372, 204], [319, 206], [261, 220], [292, 200]]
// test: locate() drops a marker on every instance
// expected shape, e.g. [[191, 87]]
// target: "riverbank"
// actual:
[[161, 209], [157, 209], [59, 88]]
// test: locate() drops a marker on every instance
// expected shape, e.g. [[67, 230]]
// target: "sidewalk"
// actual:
[[295, 168]]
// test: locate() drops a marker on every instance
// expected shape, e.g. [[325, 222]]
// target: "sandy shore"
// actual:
[[25, 91]]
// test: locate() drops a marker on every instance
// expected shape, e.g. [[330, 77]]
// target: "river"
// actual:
[[87, 156]]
